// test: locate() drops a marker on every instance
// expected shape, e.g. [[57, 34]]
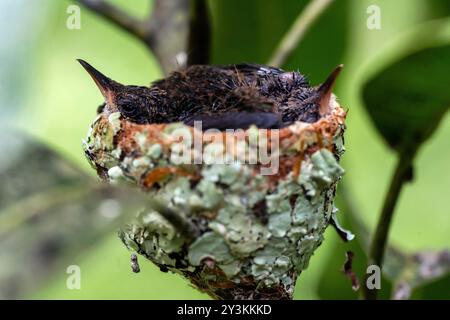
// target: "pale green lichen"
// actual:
[[154, 151], [114, 120], [243, 234], [289, 239], [249, 228], [210, 245]]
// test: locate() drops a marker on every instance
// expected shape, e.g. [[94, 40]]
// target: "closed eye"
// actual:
[[127, 108], [134, 111]]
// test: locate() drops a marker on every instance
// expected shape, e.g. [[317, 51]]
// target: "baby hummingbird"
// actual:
[[222, 97]]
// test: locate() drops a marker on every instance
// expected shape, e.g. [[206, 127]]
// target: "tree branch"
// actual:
[[199, 41], [164, 32], [298, 30], [117, 16]]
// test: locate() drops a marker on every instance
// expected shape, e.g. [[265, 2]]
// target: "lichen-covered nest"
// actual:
[[239, 232]]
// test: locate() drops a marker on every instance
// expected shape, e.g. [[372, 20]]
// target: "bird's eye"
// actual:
[[132, 110], [128, 108]]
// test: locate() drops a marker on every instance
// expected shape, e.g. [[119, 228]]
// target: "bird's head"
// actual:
[[133, 102]]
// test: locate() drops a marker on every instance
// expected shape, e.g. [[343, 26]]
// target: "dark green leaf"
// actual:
[[407, 99]]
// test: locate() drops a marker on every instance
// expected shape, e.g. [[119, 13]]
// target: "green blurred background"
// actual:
[[48, 95]]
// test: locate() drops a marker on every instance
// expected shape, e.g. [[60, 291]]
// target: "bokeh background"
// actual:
[[45, 94]]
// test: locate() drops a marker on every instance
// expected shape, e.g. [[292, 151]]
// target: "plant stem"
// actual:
[[401, 175], [298, 30]]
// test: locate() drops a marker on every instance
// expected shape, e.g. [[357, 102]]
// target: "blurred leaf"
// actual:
[[437, 290], [439, 8], [49, 209], [408, 99]]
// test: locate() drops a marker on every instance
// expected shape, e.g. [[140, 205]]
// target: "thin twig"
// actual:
[[199, 41], [117, 16], [294, 36], [401, 175]]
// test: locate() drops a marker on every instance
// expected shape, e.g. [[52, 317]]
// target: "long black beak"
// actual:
[[105, 84], [326, 89]]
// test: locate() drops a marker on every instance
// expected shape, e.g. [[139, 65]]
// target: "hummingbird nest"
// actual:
[[240, 229]]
